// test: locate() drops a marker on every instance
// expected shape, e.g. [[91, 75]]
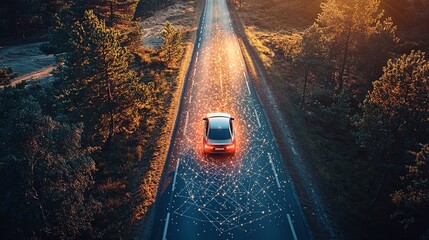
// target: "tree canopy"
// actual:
[[45, 173], [97, 84]]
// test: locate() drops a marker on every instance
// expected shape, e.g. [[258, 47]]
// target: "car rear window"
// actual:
[[219, 134]]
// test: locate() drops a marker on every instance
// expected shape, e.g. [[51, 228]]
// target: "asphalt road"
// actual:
[[247, 196]]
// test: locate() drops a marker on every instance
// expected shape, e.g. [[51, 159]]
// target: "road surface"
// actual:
[[247, 196]]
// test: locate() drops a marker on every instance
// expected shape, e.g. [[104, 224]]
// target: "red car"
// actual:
[[219, 134]]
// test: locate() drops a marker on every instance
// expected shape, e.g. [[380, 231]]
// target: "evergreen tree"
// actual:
[[395, 114], [171, 50], [45, 173], [313, 53], [412, 200], [349, 27], [98, 85], [6, 75], [62, 26], [119, 15]]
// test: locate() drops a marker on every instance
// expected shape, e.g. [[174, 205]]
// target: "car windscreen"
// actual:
[[219, 134]]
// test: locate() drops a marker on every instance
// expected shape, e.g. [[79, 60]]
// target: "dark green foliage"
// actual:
[[395, 117], [119, 15], [61, 27], [6, 75], [45, 173], [349, 27], [23, 18], [395, 114], [97, 84], [412, 200], [171, 50]]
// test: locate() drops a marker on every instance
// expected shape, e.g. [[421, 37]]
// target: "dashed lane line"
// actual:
[[274, 170], [175, 176], [164, 235], [248, 88], [257, 118], [186, 123], [291, 227]]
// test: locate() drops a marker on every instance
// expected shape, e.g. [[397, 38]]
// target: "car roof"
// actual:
[[219, 123]]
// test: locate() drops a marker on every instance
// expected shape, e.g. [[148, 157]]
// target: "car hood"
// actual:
[[219, 142]]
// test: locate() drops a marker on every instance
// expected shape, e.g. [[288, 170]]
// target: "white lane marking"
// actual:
[[175, 176], [164, 235], [248, 88], [274, 170], [200, 39], [190, 99], [196, 59], [198, 53], [257, 118], [199, 44], [195, 71], [186, 122], [245, 78], [291, 227]]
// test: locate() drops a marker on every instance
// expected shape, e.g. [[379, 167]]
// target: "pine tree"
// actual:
[[395, 114], [6, 75], [313, 52], [349, 27], [45, 173], [98, 85], [412, 200], [61, 27], [119, 15], [172, 47]]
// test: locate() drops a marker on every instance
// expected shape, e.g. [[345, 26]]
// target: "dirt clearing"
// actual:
[[27, 61], [180, 14]]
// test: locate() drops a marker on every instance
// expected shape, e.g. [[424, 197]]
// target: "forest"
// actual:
[[70, 150], [352, 75]]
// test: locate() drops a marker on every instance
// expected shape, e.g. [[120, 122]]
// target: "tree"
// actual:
[[395, 114], [119, 15], [6, 75], [412, 200], [61, 27], [172, 48], [312, 53], [97, 84], [349, 26], [45, 173]]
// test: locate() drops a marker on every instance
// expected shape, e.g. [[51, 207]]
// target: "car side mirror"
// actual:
[[232, 118], [205, 119]]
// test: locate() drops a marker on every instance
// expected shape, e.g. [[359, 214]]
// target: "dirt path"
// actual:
[[27, 61], [36, 75]]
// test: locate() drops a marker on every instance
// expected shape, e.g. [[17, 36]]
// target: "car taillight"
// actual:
[[207, 146], [230, 147]]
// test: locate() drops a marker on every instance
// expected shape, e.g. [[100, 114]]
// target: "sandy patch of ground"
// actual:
[[179, 14], [27, 61]]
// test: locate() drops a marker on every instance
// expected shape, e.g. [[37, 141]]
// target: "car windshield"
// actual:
[[219, 134]]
